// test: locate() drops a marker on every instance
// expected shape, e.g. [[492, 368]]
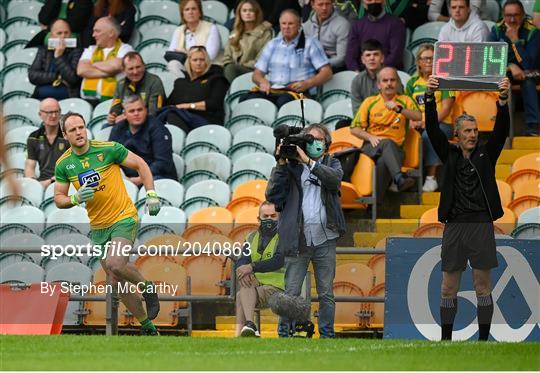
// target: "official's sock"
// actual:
[[147, 324], [448, 314], [484, 311], [144, 287]]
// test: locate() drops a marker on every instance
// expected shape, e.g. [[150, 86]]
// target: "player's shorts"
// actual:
[[264, 292], [125, 228], [474, 242]]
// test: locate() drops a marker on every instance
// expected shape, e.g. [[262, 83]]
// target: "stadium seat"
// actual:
[[167, 78], [74, 273], [529, 188], [77, 105], [480, 104], [70, 239], [22, 272], [250, 140], [492, 10], [208, 220], [178, 138], [250, 167], [505, 223], [531, 215], [240, 85], [19, 135], [31, 189], [403, 77], [25, 241], [7, 259], [152, 52], [103, 134], [524, 203], [530, 161], [163, 31], [179, 165], [96, 311], [224, 35], [15, 56], [245, 222], [291, 113], [505, 192], [24, 109], [409, 61], [30, 216], [343, 139], [351, 279], [207, 166], [167, 10], [75, 217], [362, 185], [170, 273], [215, 11], [429, 225], [377, 265], [377, 309], [252, 112], [25, 33], [167, 189], [206, 273], [426, 33], [524, 170], [529, 231], [102, 109], [204, 139], [337, 89], [172, 241], [3, 38], [246, 196], [216, 190], [27, 9], [339, 110], [170, 217], [16, 83]]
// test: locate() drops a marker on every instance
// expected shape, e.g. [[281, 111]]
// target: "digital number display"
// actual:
[[460, 65]]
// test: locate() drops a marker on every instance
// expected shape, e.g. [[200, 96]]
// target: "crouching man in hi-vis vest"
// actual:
[[259, 270]]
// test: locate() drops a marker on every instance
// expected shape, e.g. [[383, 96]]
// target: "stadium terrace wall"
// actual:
[[413, 281]]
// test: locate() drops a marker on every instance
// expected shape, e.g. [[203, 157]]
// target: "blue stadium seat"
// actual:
[[77, 105], [251, 112], [204, 139], [336, 89], [207, 166], [171, 217], [167, 11], [24, 242], [250, 140], [291, 113], [31, 189], [215, 11], [340, 110], [23, 272], [167, 189]]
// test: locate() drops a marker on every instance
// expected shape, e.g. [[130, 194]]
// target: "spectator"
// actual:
[[260, 273], [123, 11], [137, 82], [331, 29], [146, 137], [78, 13], [435, 12], [306, 193], [348, 8], [413, 13], [272, 10], [365, 83], [381, 122], [54, 71], [536, 14], [197, 99], [416, 88], [290, 64], [378, 25], [45, 145], [101, 64], [523, 56], [247, 40], [193, 31], [464, 24]]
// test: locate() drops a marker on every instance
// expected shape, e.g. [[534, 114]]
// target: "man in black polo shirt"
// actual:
[[45, 145], [146, 137], [469, 204]]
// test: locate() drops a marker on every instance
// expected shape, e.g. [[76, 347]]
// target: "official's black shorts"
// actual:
[[474, 242]]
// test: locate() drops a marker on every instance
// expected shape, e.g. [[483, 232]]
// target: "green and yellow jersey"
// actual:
[[99, 166], [416, 88]]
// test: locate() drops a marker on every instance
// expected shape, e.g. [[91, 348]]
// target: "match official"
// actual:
[[306, 193], [93, 167], [469, 204]]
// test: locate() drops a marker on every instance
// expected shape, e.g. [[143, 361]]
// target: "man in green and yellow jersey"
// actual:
[[381, 122], [93, 167]]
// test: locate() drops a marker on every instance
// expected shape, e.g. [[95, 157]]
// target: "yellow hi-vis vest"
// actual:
[[102, 88], [276, 278]]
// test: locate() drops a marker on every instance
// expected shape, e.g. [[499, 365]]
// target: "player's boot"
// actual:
[[148, 328], [151, 299]]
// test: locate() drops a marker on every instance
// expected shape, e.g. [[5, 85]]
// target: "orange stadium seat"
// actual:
[[529, 188], [253, 188], [361, 185], [505, 224], [96, 311], [479, 104], [209, 220], [343, 139], [348, 314], [206, 274], [236, 206], [245, 222], [411, 147], [377, 309], [523, 203], [355, 273], [429, 225], [166, 239], [505, 192], [377, 265], [524, 169]]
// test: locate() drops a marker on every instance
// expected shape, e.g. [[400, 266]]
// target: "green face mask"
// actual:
[[315, 149]]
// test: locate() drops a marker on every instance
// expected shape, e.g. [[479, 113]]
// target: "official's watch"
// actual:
[[192, 106]]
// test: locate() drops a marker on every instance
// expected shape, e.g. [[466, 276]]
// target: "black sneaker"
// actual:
[[249, 330], [149, 332], [152, 304], [405, 183]]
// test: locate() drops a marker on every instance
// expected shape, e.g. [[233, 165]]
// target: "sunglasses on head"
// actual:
[[198, 47]]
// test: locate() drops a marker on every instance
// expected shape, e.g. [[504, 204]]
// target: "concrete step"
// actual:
[[521, 142], [396, 225], [229, 333], [431, 198], [370, 239], [502, 171], [508, 156], [413, 211]]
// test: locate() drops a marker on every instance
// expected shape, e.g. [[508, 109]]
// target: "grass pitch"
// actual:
[[70, 352]]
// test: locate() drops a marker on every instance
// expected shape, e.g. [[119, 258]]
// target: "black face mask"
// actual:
[[374, 9], [268, 227]]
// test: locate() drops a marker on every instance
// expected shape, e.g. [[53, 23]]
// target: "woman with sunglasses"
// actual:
[[247, 40], [193, 31], [416, 88], [197, 99]]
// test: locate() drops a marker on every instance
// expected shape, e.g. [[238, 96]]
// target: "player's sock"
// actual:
[[150, 298], [448, 314], [148, 326], [144, 286], [484, 311]]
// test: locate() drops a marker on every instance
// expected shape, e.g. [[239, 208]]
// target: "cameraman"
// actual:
[[305, 191]]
